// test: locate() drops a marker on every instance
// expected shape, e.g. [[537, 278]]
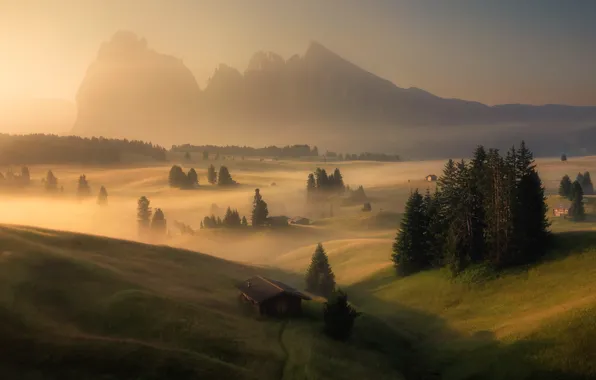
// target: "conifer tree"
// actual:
[[51, 183], [211, 175], [144, 214], [205, 155], [102, 197], [83, 188], [339, 316], [338, 181], [478, 186], [187, 156], [259, 210], [25, 176], [319, 276], [580, 178], [410, 246], [177, 178], [224, 178], [311, 186], [577, 211], [158, 223], [232, 218], [565, 187], [192, 178], [321, 179], [587, 185], [244, 221]]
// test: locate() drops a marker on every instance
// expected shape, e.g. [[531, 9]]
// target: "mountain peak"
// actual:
[[317, 52]]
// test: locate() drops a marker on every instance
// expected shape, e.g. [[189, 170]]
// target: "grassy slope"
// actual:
[[536, 323], [81, 307]]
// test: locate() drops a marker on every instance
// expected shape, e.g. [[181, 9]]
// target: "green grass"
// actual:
[[81, 307], [529, 323]]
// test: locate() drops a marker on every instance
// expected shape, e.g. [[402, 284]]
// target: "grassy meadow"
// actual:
[[108, 306]]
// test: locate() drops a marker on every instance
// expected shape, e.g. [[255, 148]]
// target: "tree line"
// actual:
[[178, 179], [51, 149], [259, 216], [320, 182], [490, 210], [365, 156], [575, 191], [234, 150]]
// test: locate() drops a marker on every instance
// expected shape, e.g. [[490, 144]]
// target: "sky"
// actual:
[[492, 51]]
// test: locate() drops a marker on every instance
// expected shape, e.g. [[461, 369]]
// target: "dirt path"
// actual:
[[283, 348], [530, 322]]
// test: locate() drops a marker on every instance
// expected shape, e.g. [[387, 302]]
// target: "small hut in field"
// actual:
[[271, 297]]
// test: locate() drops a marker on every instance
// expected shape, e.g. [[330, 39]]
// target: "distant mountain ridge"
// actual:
[[132, 91]]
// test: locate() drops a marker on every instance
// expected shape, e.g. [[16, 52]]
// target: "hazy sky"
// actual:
[[493, 51]]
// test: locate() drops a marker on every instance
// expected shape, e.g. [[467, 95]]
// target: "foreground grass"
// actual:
[[531, 323], [81, 307]]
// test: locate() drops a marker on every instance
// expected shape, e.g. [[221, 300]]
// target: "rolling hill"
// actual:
[[82, 307], [133, 91]]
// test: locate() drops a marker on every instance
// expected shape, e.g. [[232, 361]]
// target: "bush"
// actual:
[[339, 316]]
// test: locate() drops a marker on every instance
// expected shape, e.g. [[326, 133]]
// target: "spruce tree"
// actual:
[[25, 176], [158, 223], [51, 183], [580, 179], [321, 179], [102, 197], [410, 246], [259, 210], [577, 211], [339, 316], [565, 187], [211, 175], [177, 178], [232, 218], [435, 234], [478, 186], [320, 279], [311, 186], [244, 221], [338, 181], [587, 185], [143, 214], [224, 178], [192, 178], [83, 188]]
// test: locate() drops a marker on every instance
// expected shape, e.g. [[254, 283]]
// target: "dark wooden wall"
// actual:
[[283, 305]]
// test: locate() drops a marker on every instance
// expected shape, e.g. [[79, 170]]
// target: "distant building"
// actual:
[[560, 211], [300, 220], [278, 221], [272, 297], [431, 178]]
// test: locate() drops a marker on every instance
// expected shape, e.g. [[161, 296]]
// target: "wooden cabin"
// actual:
[[272, 298], [560, 211]]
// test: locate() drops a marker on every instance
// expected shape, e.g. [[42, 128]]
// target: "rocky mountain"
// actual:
[[319, 97]]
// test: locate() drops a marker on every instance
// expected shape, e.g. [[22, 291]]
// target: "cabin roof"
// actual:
[[260, 289]]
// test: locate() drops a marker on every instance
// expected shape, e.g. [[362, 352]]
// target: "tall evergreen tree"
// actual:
[[83, 188], [580, 178], [565, 187], [51, 183], [577, 211], [232, 218], [338, 181], [244, 221], [435, 234], [410, 246], [177, 178], [224, 178], [259, 210], [25, 176], [319, 276], [587, 185], [478, 187], [158, 223], [321, 179], [102, 197], [211, 175], [311, 186], [192, 178], [339, 316], [144, 214]]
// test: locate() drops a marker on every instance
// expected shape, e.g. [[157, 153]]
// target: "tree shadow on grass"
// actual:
[[428, 348]]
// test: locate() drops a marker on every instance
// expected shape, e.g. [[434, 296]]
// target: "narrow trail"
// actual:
[[283, 348]]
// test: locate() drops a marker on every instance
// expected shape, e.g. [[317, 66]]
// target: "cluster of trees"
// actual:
[[320, 182], [223, 178], [83, 188], [178, 179], [15, 179], [338, 314], [575, 193], [490, 210], [52, 149], [366, 156], [150, 223], [231, 220], [585, 182], [233, 150]]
